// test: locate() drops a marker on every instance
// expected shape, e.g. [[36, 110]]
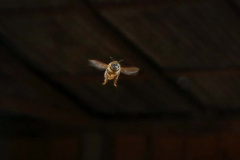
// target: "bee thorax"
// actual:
[[110, 74]]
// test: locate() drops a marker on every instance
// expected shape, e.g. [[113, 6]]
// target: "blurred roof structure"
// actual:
[[188, 52]]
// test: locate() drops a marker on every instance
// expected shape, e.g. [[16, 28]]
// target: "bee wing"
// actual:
[[97, 64], [129, 70]]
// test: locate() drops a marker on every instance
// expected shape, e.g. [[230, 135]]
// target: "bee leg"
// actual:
[[115, 80], [105, 81], [115, 83], [105, 78]]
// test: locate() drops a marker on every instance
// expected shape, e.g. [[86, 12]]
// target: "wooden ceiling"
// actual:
[[188, 52]]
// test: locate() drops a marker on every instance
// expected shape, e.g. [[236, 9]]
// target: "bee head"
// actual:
[[115, 65]]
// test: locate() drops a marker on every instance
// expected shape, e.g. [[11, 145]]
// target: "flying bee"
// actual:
[[113, 70]]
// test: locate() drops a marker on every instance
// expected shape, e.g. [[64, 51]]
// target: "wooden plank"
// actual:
[[63, 148], [202, 147], [25, 107], [27, 148], [20, 149], [230, 144], [22, 91], [129, 147], [203, 72], [92, 146], [168, 147], [218, 90], [10, 4], [133, 4], [5, 149], [169, 34]]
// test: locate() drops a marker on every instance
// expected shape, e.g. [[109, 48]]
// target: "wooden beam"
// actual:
[[49, 113], [133, 4], [203, 72], [49, 105]]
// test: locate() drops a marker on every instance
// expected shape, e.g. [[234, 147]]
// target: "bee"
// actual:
[[113, 70]]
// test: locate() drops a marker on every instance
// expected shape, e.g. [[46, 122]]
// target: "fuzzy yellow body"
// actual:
[[111, 74]]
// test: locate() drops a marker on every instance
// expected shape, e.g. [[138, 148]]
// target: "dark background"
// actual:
[[183, 105]]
